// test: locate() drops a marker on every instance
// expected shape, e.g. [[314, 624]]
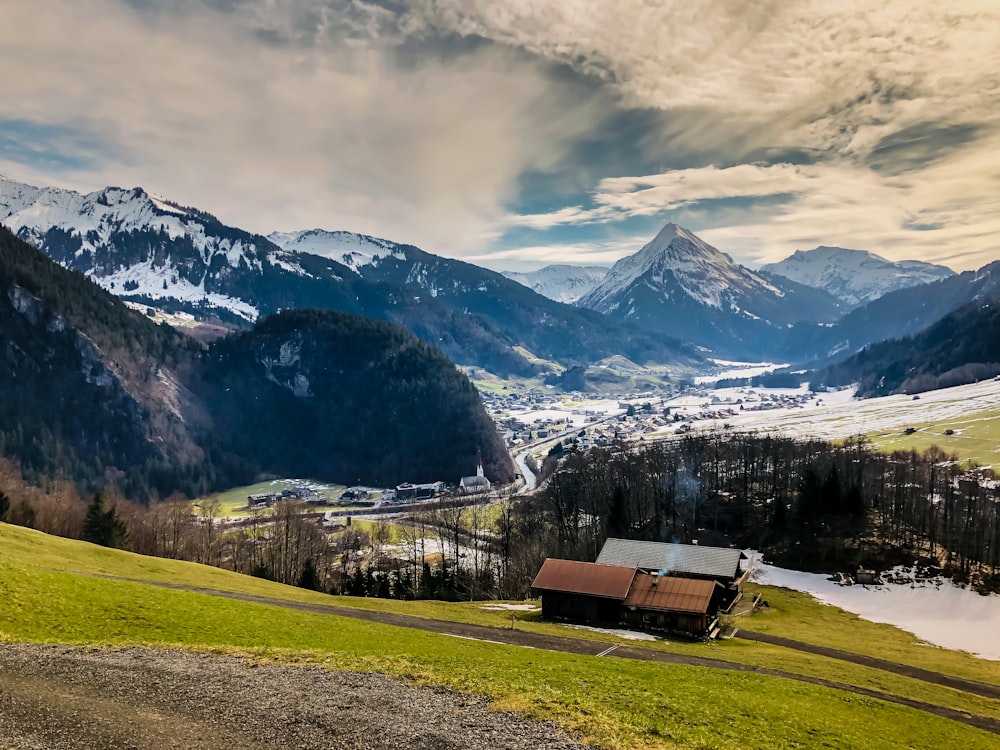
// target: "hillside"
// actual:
[[76, 594], [95, 392], [962, 347], [332, 395], [90, 390]]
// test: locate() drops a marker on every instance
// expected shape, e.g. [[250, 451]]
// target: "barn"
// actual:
[[582, 591], [720, 564], [619, 595]]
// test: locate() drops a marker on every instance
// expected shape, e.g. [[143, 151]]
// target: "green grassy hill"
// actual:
[[58, 591]]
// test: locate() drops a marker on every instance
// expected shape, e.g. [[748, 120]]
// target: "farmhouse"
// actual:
[[615, 595], [407, 491], [720, 564]]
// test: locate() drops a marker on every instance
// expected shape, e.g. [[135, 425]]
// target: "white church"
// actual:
[[477, 483]]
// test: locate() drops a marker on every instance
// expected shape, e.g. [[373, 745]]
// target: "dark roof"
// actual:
[[670, 593], [693, 559], [572, 577]]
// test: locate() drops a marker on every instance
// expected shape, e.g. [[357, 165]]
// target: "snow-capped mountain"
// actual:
[[855, 277], [137, 244], [155, 251], [353, 250], [680, 285], [561, 282]]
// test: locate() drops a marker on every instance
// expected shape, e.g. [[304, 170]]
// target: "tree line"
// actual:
[[807, 504]]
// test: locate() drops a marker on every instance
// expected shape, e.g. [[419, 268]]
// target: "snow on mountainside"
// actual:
[[678, 259], [353, 250], [854, 276], [563, 283], [680, 285], [118, 238]]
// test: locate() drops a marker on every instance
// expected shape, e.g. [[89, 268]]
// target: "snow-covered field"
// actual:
[[737, 370], [944, 615], [837, 414]]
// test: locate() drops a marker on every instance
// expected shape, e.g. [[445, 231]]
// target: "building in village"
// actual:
[[720, 564], [477, 483], [620, 595]]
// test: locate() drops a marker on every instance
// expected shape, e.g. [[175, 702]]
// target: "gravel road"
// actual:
[[55, 697]]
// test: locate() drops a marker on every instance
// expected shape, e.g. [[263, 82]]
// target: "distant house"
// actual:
[[619, 595], [720, 564], [407, 491]]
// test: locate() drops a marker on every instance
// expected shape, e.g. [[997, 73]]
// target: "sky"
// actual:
[[518, 133]]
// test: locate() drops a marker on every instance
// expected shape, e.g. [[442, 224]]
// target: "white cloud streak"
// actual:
[[275, 136]]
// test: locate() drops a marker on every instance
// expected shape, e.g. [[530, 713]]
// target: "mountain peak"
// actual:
[[854, 276]]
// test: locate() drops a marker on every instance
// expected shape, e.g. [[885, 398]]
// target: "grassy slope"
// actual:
[[614, 702]]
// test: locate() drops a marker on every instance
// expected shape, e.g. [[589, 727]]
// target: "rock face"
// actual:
[[855, 277], [680, 285]]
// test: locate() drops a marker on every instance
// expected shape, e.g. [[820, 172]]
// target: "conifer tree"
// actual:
[[104, 526]]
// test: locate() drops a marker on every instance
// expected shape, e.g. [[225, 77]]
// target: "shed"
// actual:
[[686, 605], [583, 591]]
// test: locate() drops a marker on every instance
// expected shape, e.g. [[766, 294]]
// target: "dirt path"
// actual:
[[594, 648], [57, 698]]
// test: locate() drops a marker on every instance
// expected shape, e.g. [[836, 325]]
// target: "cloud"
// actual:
[[462, 125], [805, 73], [314, 125]]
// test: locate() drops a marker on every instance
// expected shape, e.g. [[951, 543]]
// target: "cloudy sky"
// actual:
[[524, 132]]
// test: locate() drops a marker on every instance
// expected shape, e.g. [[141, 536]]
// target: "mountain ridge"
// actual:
[[856, 277], [154, 251], [678, 284]]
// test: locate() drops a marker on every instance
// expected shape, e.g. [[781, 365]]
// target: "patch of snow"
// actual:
[[946, 615], [512, 607], [738, 370], [353, 250], [158, 282], [631, 635]]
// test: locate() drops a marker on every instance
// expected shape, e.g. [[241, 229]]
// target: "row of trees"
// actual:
[[808, 503]]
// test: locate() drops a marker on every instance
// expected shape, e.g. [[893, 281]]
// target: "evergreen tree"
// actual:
[[104, 526], [4, 506], [309, 579]]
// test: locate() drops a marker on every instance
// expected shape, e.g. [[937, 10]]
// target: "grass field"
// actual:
[[233, 502], [48, 597], [976, 437]]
